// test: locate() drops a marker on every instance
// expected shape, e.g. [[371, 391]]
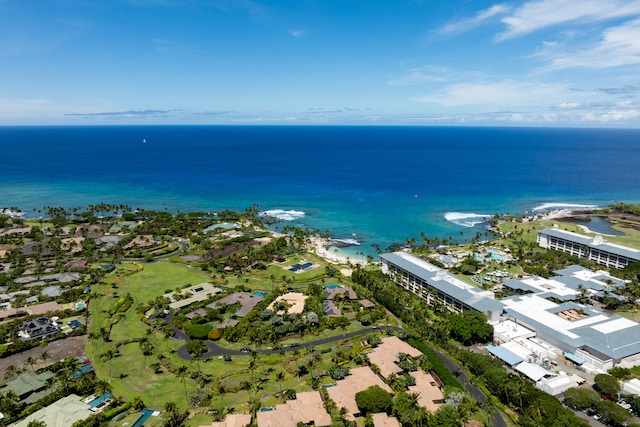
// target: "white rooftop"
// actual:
[[538, 308], [614, 325], [549, 285], [509, 330]]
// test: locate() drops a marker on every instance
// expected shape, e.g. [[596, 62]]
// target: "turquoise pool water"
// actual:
[[259, 294], [100, 400], [332, 286], [146, 413], [491, 256]]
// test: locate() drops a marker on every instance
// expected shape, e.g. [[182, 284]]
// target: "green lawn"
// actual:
[[130, 377]]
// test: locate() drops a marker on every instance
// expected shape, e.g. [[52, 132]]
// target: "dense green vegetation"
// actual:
[[134, 348]]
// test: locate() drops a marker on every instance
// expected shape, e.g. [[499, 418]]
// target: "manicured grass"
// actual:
[[131, 378], [530, 230], [200, 420]]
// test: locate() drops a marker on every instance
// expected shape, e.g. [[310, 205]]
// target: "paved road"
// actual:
[[494, 417], [215, 351]]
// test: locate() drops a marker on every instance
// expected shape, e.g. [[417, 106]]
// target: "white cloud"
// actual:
[[537, 14], [422, 75], [613, 116], [569, 106], [297, 33], [468, 24], [619, 46], [500, 94]]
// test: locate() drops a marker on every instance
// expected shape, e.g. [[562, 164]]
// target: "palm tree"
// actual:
[[147, 350], [246, 385], [279, 379], [44, 356], [109, 355], [137, 403], [31, 361], [221, 388], [197, 348], [182, 374], [11, 372], [103, 387], [92, 336]]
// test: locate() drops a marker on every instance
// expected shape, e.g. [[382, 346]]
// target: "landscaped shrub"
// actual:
[[198, 331], [215, 334], [374, 400]]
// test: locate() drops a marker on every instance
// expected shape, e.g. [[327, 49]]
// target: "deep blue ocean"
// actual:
[[375, 184]]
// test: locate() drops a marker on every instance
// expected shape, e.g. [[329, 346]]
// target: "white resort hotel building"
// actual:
[[541, 324], [593, 248], [434, 283]]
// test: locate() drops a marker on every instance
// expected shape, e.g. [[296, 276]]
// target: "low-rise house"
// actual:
[[344, 392], [32, 310], [295, 300], [384, 420], [429, 393], [232, 420], [247, 302], [366, 304], [40, 327], [122, 227], [27, 384], [76, 265], [62, 413], [307, 408], [192, 294], [108, 242], [386, 354], [330, 309], [340, 292], [91, 231], [142, 242], [37, 248]]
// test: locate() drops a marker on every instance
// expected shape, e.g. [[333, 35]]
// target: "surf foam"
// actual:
[[284, 215], [553, 206], [467, 219]]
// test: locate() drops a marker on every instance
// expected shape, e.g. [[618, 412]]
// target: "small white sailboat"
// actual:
[[144, 140]]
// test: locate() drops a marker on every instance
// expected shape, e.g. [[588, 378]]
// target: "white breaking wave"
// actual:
[[466, 219], [284, 215], [553, 206], [351, 242], [12, 214]]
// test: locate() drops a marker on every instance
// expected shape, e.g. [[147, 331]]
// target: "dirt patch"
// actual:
[[57, 350]]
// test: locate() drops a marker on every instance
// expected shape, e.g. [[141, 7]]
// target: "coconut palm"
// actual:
[[44, 356], [182, 373], [11, 372]]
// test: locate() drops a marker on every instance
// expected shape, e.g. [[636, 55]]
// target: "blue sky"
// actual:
[[431, 62]]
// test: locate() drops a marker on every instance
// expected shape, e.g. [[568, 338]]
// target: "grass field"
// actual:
[[129, 372]]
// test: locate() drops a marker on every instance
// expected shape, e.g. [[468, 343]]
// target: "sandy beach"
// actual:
[[322, 247]]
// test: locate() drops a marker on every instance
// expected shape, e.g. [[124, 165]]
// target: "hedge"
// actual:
[[437, 364], [198, 331]]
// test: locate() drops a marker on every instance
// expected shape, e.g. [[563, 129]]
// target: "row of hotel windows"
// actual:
[[605, 258]]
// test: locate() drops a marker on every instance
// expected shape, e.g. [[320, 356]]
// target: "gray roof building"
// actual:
[[592, 248], [431, 282]]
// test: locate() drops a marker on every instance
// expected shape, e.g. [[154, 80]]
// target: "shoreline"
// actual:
[[323, 248]]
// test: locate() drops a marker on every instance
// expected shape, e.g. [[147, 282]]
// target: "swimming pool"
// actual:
[[259, 294], [146, 413], [491, 256], [332, 286], [100, 400]]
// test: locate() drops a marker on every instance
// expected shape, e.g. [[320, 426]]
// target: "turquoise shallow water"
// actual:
[[375, 185]]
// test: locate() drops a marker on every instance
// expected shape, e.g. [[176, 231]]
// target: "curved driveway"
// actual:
[[216, 350]]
